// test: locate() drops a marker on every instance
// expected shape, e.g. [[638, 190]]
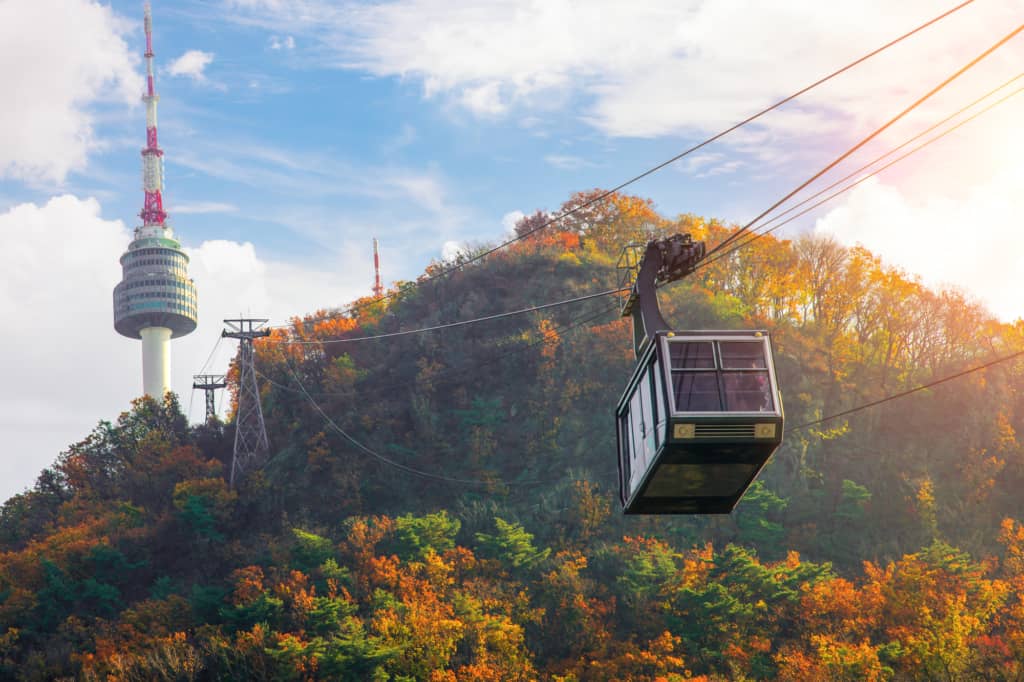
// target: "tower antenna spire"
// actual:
[[152, 156]]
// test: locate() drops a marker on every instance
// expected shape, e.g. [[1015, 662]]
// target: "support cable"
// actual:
[[903, 394], [752, 237], [842, 157], [756, 234], [713, 138], [460, 323], [654, 169], [392, 463], [708, 261], [896, 149], [806, 425], [445, 377], [203, 369]]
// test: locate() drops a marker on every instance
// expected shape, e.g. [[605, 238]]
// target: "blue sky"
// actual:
[[296, 130]]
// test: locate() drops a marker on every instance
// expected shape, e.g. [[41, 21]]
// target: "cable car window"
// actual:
[[696, 391], [742, 355], [748, 391], [660, 414], [650, 419], [637, 433], [692, 354]]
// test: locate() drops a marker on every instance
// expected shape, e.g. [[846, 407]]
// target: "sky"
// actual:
[[294, 131]]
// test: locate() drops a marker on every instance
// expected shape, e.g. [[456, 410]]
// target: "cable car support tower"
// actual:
[[251, 445], [209, 383]]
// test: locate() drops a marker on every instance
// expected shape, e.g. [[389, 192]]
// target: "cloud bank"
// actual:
[[63, 59], [644, 70]]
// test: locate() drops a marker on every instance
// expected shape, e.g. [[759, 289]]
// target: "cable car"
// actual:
[[701, 414]]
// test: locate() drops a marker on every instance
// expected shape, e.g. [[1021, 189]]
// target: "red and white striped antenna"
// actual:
[[378, 287], [152, 167]]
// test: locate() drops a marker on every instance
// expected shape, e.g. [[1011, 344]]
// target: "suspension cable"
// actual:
[[462, 323], [903, 394], [605, 194], [842, 157], [458, 369], [756, 234]]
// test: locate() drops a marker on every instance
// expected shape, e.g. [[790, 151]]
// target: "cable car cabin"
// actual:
[[699, 419]]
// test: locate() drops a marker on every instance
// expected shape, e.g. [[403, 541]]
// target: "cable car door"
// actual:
[[642, 431]]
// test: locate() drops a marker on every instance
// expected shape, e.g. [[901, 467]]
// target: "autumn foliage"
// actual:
[[476, 536]]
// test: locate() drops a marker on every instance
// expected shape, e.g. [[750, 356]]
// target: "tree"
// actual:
[[511, 545]]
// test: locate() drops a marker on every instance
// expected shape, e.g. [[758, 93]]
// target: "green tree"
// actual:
[[512, 545]]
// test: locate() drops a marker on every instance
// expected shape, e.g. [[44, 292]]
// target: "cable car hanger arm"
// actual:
[[665, 260]]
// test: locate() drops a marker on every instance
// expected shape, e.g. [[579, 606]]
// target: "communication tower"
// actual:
[[155, 300], [378, 287]]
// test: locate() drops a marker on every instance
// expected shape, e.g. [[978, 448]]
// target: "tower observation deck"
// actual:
[[155, 300]]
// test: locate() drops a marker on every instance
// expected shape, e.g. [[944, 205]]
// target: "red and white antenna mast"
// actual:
[[378, 288], [152, 164]]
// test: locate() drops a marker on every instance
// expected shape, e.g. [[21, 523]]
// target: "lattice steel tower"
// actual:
[[209, 383], [251, 444], [156, 300]]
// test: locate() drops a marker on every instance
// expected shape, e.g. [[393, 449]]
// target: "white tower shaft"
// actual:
[[156, 361]]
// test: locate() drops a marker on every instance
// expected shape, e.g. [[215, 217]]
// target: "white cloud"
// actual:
[[204, 207], [286, 43], [302, 174], [192, 64], [973, 242], [62, 58], [654, 68], [451, 249], [566, 162], [484, 100], [704, 165], [60, 266], [509, 220], [67, 366]]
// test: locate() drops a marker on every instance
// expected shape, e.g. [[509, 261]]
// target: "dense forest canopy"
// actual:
[[884, 545]]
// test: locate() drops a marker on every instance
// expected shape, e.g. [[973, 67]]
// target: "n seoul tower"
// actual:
[[156, 300]]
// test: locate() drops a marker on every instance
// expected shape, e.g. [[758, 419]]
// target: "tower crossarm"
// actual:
[[245, 328], [209, 383]]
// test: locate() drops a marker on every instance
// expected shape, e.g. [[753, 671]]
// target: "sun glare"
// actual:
[[1006, 150]]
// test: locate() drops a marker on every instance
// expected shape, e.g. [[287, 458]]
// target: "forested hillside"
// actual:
[[443, 505]]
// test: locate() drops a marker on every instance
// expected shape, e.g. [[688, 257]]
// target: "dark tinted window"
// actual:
[[692, 354], [696, 392], [747, 391], [742, 355]]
